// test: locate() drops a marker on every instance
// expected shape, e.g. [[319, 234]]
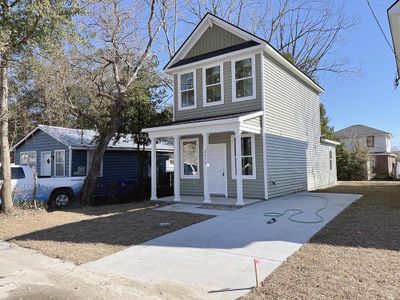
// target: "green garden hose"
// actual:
[[296, 211]]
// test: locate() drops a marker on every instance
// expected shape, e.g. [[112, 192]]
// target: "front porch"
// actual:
[[215, 200], [206, 155]]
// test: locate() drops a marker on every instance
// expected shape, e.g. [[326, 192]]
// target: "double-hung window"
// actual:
[[190, 158], [248, 156], [29, 159], [59, 166], [370, 141], [213, 85], [243, 73], [187, 90]]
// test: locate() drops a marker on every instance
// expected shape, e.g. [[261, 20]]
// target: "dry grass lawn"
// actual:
[[89, 233], [356, 256]]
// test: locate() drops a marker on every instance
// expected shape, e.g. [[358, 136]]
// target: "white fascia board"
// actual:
[[289, 66], [196, 129], [250, 128], [326, 141], [251, 116], [219, 58]]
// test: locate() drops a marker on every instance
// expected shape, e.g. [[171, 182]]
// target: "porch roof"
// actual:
[[224, 123]]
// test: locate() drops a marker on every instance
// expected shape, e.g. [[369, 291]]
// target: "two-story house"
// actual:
[[240, 105], [382, 162]]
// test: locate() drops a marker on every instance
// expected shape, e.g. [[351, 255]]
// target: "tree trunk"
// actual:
[[7, 202], [105, 138]]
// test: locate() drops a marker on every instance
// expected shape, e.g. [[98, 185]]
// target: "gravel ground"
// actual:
[[356, 256], [90, 233]]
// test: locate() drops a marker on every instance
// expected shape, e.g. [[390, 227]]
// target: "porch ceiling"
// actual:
[[194, 127]]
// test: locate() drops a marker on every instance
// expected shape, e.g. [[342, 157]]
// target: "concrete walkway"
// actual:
[[214, 259]]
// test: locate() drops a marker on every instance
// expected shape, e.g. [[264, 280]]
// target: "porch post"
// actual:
[[177, 169], [153, 169], [205, 168], [239, 179]]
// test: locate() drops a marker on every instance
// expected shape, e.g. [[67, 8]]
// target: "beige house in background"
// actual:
[[382, 162], [240, 105]]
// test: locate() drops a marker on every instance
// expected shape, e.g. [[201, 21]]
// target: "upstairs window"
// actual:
[[187, 92], [213, 90], [243, 79], [370, 141]]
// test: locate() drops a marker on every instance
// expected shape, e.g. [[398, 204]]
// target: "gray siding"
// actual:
[[292, 130], [39, 142], [321, 176], [228, 107], [214, 38], [252, 188]]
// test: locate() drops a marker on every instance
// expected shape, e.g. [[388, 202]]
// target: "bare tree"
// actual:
[[307, 32], [120, 48]]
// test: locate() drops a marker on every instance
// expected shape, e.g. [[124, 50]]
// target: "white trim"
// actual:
[[201, 29], [70, 162], [264, 129], [225, 167], [326, 141], [20, 156], [216, 59], [177, 179], [253, 77], [55, 162], [41, 162], [183, 176], [153, 169], [207, 198], [87, 164], [180, 107], [221, 83], [253, 156]]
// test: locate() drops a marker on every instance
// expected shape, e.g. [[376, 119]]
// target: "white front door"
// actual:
[[217, 177], [45, 163]]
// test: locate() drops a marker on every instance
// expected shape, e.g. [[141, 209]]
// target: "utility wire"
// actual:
[[386, 38]]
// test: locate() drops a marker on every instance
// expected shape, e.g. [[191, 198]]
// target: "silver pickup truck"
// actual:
[[55, 191]]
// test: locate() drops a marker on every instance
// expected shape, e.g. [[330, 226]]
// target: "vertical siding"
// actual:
[[214, 38], [39, 142], [228, 107], [292, 131], [252, 188]]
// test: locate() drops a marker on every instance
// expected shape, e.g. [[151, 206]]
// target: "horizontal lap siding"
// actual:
[[214, 38], [252, 188], [292, 130], [39, 142], [228, 107], [321, 176]]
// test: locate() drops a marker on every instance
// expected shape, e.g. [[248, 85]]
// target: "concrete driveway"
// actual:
[[214, 259]]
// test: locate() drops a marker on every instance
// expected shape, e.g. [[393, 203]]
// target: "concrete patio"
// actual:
[[214, 259]]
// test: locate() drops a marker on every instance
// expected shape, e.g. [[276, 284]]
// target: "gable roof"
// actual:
[[360, 130], [87, 138], [209, 19]]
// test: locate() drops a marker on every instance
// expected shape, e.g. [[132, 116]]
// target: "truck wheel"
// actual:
[[61, 198]]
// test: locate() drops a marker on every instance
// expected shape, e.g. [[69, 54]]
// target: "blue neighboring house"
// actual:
[[64, 152]]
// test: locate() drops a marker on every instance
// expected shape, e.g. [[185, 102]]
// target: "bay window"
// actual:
[[248, 156]]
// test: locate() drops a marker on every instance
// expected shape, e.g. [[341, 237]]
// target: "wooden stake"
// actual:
[[256, 271]]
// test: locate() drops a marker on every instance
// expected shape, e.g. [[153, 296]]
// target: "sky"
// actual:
[[369, 98]]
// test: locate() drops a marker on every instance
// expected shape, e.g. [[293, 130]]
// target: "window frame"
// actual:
[[253, 156], [88, 163], [204, 85], [373, 141], [20, 159], [253, 76], [180, 107], [183, 176], [56, 163]]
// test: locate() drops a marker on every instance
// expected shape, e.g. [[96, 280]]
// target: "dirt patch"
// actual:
[[356, 256], [90, 233]]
